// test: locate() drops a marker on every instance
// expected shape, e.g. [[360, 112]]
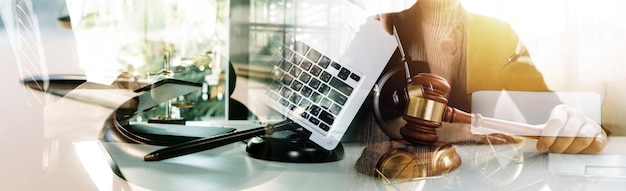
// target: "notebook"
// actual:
[[321, 83]]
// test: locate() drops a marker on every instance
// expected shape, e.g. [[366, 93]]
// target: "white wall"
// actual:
[[21, 110], [578, 45]]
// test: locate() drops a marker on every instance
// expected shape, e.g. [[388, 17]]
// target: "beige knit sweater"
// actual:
[[439, 38]]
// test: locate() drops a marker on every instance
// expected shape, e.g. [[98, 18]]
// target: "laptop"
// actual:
[[321, 79]]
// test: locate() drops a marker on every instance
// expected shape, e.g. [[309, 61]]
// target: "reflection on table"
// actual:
[[500, 167]]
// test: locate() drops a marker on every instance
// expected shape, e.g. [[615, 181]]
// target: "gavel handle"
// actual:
[[485, 125]]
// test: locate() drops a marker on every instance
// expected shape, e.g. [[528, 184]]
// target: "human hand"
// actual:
[[388, 20], [127, 81], [570, 131]]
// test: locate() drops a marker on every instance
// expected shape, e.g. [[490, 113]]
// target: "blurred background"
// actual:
[[578, 45]]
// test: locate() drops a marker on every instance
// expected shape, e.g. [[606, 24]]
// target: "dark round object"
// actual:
[[389, 101], [390, 98], [288, 146]]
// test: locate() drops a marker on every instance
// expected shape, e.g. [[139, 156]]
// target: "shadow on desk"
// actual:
[[217, 169], [229, 168]]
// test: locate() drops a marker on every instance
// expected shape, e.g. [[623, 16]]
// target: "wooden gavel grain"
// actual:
[[423, 131], [420, 154]]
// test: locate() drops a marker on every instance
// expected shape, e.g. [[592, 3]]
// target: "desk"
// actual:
[[77, 160], [230, 168], [79, 164]]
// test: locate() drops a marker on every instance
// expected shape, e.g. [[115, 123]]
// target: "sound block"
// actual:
[[401, 160], [289, 146]]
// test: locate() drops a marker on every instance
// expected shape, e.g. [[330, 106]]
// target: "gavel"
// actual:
[[427, 108], [420, 153]]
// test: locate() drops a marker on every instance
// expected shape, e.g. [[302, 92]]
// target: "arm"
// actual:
[[567, 130]]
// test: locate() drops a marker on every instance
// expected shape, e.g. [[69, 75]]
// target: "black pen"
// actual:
[[207, 143]]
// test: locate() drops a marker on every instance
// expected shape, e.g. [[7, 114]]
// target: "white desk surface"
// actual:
[[79, 164], [75, 159]]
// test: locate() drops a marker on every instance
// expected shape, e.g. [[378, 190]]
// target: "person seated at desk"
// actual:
[[475, 52]]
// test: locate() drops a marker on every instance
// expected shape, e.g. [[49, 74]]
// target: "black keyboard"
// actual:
[[311, 85]]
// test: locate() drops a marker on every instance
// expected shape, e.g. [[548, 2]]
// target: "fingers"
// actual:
[[570, 131], [578, 145], [597, 145], [588, 134], [377, 17], [126, 80], [386, 21], [558, 117]]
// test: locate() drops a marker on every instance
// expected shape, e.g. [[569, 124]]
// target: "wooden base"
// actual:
[[401, 160]]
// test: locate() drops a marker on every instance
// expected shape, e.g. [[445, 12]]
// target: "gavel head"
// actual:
[[425, 108]]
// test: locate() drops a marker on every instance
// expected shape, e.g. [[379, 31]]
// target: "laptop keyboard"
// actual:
[[311, 86]]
